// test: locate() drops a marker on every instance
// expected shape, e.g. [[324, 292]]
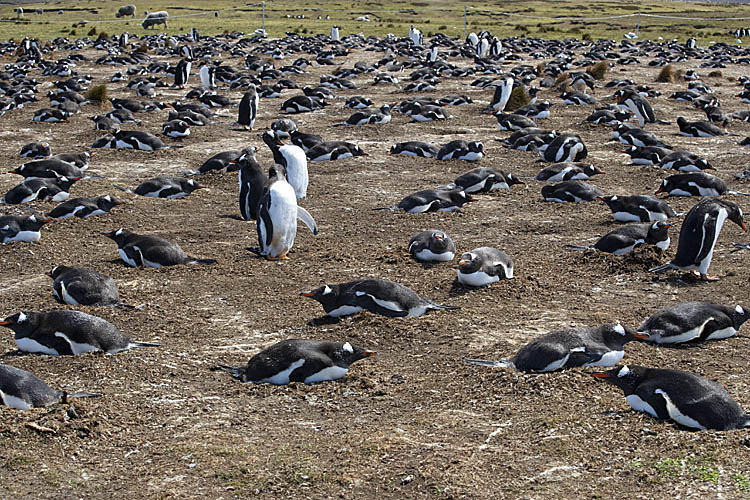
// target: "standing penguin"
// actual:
[[253, 182], [698, 235], [687, 398], [248, 107], [293, 159], [502, 94], [207, 74], [277, 217], [335, 36], [182, 73]]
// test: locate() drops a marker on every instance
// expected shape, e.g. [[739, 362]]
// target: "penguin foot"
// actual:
[[706, 277]]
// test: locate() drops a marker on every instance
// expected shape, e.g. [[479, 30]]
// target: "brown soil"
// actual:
[[414, 422]]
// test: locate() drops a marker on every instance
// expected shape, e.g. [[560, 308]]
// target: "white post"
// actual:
[[263, 16], [638, 26]]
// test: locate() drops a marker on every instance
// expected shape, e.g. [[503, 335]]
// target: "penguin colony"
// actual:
[[271, 194]]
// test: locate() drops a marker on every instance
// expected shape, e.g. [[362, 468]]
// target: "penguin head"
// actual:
[[740, 315], [658, 230], [57, 271], [625, 377], [734, 213], [118, 235], [592, 170], [621, 334], [476, 147], [459, 197], [108, 201], [470, 263], [347, 353], [20, 322], [326, 295], [34, 222], [191, 185]]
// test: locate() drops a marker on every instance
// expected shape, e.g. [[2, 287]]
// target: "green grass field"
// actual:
[[548, 19]]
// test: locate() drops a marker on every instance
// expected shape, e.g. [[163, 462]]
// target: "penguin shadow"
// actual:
[[119, 262], [17, 353], [683, 281], [459, 290], [323, 321], [231, 216]]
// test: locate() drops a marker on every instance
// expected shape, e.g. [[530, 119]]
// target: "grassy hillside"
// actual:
[[549, 19]]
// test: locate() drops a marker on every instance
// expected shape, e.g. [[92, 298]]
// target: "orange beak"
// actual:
[[600, 375], [659, 190], [744, 227], [462, 262], [642, 336], [4, 323], [110, 234], [369, 354], [306, 294]]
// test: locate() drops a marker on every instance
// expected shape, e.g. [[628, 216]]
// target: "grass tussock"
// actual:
[[562, 79], [91, 32], [518, 97], [598, 70], [97, 94], [715, 74], [667, 74], [142, 48]]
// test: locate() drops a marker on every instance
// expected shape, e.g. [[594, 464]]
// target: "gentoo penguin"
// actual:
[[537, 110], [39, 189], [638, 105], [513, 121], [80, 160], [50, 115], [502, 94], [305, 141], [432, 200], [83, 286], [299, 360], [293, 159], [484, 180], [334, 150], [647, 155], [698, 235], [277, 217], [688, 321], [461, 150], [357, 102], [368, 116], [427, 113], [253, 182], [21, 228], [686, 398], [685, 162], [182, 73], [483, 266], [693, 184], [638, 208], [150, 251], [21, 390], [121, 116], [248, 107], [570, 191], [302, 104], [283, 128], [593, 346], [699, 128], [624, 239], [564, 147], [176, 129], [226, 161], [567, 171], [432, 246], [635, 136], [84, 207], [50, 168], [165, 187], [335, 36], [378, 296], [607, 117], [67, 332], [414, 148], [207, 75], [131, 139], [36, 149]]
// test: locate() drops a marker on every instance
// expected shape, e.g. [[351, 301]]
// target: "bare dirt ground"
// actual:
[[416, 421]]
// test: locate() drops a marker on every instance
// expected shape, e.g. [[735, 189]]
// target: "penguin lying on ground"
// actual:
[[378, 296], [414, 148], [686, 398], [688, 321], [699, 234], [570, 191], [699, 128], [67, 333], [50, 168], [165, 187], [57, 189], [83, 286], [483, 266], [564, 148], [484, 180], [36, 149], [624, 239], [299, 360], [432, 200], [84, 207], [334, 150], [26, 228], [21, 390], [567, 171], [150, 251], [638, 208], [594, 346], [432, 246]]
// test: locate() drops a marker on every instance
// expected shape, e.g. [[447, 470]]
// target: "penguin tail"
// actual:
[[577, 248], [741, 246], [237, 372], [201, 261], [447, 187], [503, 363], [680, 214], [134, 344], [442, 307], [392, 208], [661, 268], [128, 307], [744, 421], [127, 190], [663, 122], [739, 193], [175, 147], [87, 176], [66, 397], [190, 172]]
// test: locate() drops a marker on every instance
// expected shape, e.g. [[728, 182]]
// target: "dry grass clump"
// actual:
[[97, 94], [518, 97], [598, 70], [667, 74]]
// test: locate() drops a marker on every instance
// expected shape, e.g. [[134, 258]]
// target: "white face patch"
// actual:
[[624, 371], [619, 329], [739, 310], [108, 198], [118, 232], [22, 318], [348, 347], [655, 226], [32, 218], [327, 290]]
